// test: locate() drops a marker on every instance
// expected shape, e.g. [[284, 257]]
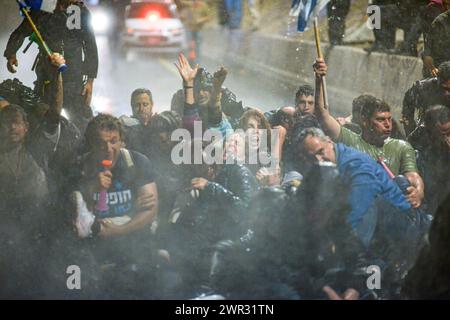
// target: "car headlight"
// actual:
[[101, 21]]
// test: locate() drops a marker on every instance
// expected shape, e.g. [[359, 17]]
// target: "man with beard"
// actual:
[[375, 138]]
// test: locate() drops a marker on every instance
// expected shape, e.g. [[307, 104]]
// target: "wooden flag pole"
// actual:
[[319, 54]]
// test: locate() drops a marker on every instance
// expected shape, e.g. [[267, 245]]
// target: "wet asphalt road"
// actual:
[[119, 76]]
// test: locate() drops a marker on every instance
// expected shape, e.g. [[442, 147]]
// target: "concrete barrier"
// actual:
[[288, 62]]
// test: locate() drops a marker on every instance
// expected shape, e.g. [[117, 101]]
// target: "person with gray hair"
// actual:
[[373, 195]]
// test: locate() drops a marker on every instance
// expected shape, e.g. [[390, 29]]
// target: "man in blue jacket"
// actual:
[[374, 197]]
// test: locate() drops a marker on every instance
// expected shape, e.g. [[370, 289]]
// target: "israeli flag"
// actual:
[[43, 5], [304, 10]]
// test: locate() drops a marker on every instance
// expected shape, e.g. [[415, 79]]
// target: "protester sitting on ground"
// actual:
[[379, 212], [24, 194], [274, 259], [304, 100], [252, 146], [116, 202], [282, 117], [398, 155], [281, 120], [213, 207], [290, 158], [425, 94], [168, 176], [138, 126], [432, 141], [354, 122]]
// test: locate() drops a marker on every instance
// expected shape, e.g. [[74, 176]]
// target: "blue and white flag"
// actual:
[[304, 10], [43, 5]]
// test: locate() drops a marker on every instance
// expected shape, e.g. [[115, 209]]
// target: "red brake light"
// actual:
[[150, 11]]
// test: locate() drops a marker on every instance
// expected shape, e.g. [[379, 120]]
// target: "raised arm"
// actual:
[[190, 110], [188, 74], [57, 97], [215, 107], [329, 124]]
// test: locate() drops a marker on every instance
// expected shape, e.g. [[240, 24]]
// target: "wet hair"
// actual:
[[140, 91], [302, 123], [358, 104], [301, 136], [305, 120], [437, 114], [304, 90], [203, 80], [102, 122], [372, 106], [167, 121], [263, 123], [282, 117], [444, 71], [13, 110]]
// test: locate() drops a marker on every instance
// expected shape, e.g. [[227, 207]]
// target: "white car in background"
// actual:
[[153, 26]]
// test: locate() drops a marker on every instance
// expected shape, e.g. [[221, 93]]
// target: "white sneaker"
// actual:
[[85, 219]]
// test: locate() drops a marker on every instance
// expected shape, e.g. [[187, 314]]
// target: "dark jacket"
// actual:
[[291, 258], [73, 44], [422, 95], [437, 45]]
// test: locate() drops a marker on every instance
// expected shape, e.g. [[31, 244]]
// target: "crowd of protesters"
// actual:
[[216, 199]]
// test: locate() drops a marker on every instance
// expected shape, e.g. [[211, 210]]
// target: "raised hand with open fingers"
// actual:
[[187, 73], [219, 77]]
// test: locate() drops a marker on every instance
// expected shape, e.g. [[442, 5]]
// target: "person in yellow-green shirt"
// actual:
[[375, 138]]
